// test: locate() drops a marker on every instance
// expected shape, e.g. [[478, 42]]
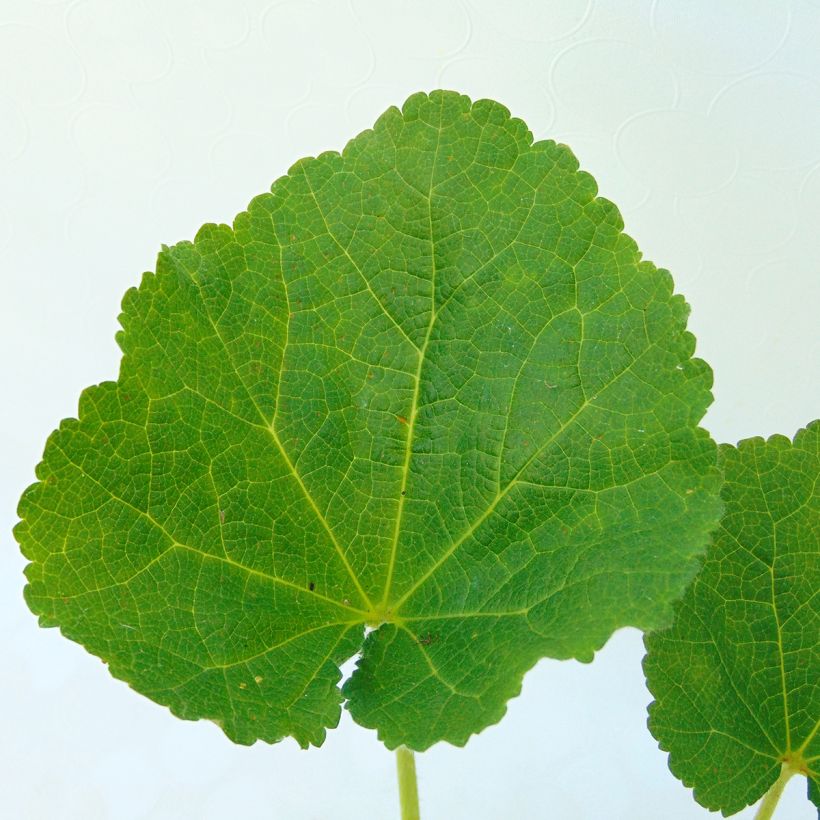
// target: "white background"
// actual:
[[124, 125]]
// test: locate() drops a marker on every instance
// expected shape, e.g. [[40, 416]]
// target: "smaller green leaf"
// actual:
[[735, 678]]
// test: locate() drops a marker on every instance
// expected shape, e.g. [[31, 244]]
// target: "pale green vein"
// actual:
[[778, 629], [589, 402], [292, 639], [457, 616], [490, 509], [353, 262], [411, 420], [321, 663], [174, 543], [536, 338], [728, 677], [271, 428], [434, 671], [194, 619], [712, 731], [809, 738]]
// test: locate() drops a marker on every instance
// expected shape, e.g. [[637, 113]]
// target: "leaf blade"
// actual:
[[735, 677], [426, 385]]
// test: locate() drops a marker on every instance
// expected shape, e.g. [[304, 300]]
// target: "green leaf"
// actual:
[[426, 386], [736, 676]]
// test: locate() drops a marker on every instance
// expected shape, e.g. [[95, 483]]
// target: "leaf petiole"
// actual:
[[772, 796], [408, 788]]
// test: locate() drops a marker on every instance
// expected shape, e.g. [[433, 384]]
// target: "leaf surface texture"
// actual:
[[427, 385]]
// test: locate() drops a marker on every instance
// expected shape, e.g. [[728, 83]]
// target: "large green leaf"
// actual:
[[426, 386], [736, 677]]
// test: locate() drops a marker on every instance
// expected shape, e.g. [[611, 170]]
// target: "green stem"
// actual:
[[769, 803], [408, 790]]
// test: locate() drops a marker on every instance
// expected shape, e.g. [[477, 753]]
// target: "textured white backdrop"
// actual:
[[124, 125]]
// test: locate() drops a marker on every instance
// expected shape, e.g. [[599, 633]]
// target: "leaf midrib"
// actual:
[[778, 628], [411, 419]]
